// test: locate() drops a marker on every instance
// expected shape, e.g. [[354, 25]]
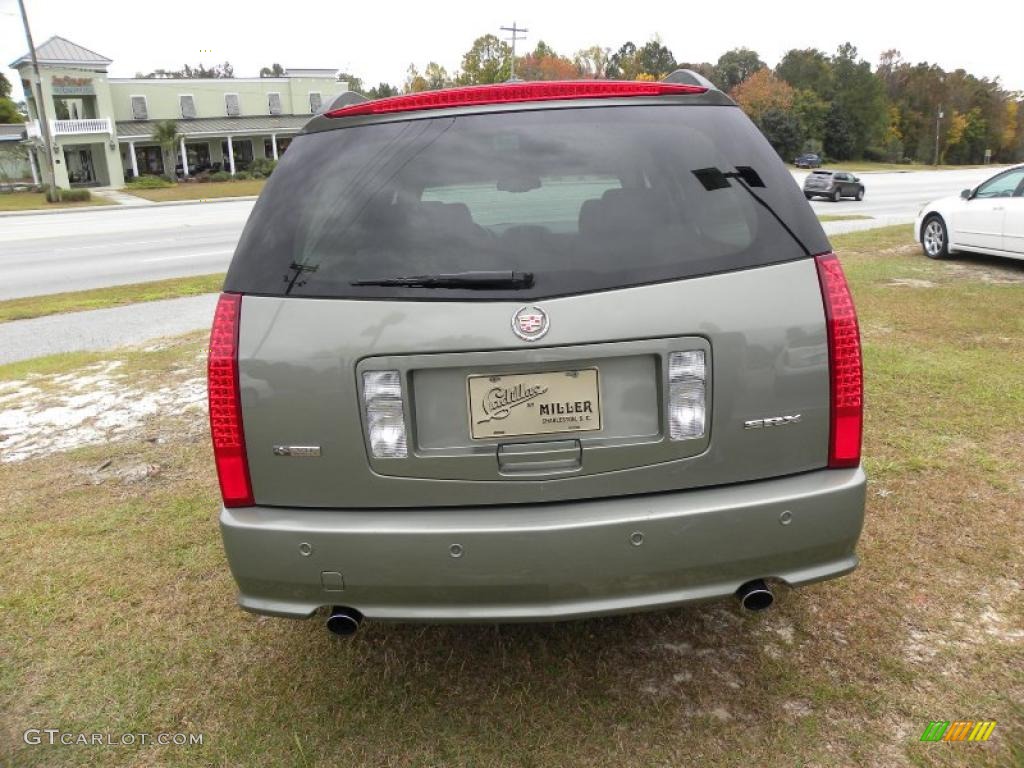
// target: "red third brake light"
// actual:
[[225, 404], [846, 382], [507, 93]]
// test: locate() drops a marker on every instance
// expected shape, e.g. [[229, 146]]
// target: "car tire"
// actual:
[[935, 237], [836, 196], [860, 195]]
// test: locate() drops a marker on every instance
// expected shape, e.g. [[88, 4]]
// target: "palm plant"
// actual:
[[165, 133]]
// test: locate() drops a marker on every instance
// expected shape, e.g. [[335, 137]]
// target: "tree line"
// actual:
[[835, 104]]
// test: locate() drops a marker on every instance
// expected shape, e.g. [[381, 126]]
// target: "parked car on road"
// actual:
[[810, 160], [834, 185], [988, 219], [531, 352]]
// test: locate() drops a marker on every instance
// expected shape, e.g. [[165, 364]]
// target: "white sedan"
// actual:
[[988, 219]]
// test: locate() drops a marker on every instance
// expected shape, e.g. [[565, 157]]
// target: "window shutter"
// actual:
[[188, 107], [139, 111], [275, 103], [231, 104], [314, 102]]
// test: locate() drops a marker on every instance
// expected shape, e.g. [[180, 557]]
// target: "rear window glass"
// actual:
[[585, 199]]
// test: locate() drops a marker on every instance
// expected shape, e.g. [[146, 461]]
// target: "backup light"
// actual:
[[385, 414], [686, 395], [507, 93]]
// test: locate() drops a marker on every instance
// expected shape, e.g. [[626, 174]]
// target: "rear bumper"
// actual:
[[547, 561]]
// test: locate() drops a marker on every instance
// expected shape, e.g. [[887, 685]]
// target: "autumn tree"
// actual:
[[859, 100], [355, 83], [382, 91], [622, 65], [763, 91], [414, 81], [592, 62], [9, 112], [489, 60], [735, 66], [655, 59], [808, 69], [544, 64]]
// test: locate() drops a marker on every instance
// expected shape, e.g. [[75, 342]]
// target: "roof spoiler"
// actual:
[[689, 77], [346, 99]]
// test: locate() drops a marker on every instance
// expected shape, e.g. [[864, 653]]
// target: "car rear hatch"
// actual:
[[818, 180], [552, 303]]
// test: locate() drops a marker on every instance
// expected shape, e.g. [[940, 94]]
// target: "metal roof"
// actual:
[[215, 126], [58, 50]]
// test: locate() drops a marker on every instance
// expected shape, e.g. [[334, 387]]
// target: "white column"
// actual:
[[231, 156], [32, 165], [273, 144], [184, 158], [135, 163]]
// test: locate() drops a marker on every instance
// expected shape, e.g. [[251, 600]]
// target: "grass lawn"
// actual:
[[117, 609], [99, 298], [842, 217], [864, 166], [30, 201], [197, 191]]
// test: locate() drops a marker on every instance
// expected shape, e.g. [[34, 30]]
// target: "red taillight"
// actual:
[[505, 93], [846, 381], [226, 405]]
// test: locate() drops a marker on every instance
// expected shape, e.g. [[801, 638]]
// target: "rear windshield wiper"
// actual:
[[471, 280]]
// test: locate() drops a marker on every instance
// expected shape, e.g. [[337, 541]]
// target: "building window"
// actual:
[[315, 102], [243, 153], [274, 103], [282, 145], [188, 106], [150, 160], [139, 109], [198, 156], [231, 104]]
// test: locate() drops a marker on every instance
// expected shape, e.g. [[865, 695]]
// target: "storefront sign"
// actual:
[[72, 86]]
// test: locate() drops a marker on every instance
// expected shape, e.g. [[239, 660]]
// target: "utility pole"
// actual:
[[938, 117], [515, 36], [44, 124]]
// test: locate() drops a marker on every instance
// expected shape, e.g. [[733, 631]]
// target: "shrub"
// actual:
[[262, 167], [75, 195], [876, 155], [220, 176], [149, 182], [243, 176]]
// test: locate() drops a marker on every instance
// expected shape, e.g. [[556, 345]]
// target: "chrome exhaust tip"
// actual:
[[343, 621], [755, 595]]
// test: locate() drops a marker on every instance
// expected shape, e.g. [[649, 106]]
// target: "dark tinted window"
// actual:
[[586, 199]]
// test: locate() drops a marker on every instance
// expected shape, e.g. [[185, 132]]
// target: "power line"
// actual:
[[515, 37]]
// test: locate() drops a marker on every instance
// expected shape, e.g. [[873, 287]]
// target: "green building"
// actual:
[[102, 127]]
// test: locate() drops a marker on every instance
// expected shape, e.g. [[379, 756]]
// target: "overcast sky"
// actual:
[[378, 40]]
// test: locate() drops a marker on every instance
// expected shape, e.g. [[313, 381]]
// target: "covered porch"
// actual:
[[207, 145]]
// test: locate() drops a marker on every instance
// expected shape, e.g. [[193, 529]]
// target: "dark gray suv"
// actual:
[[834, 185], [533, 351]]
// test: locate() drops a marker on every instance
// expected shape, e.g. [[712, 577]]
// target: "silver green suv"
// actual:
[[533, 351]]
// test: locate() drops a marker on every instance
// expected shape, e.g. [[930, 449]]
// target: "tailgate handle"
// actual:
[[552, 456]]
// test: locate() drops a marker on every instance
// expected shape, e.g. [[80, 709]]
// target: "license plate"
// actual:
[[534, 403]]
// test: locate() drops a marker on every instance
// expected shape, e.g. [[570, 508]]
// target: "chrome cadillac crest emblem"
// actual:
[[529, 323]]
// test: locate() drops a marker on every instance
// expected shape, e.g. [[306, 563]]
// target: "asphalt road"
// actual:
[[75, 250]]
